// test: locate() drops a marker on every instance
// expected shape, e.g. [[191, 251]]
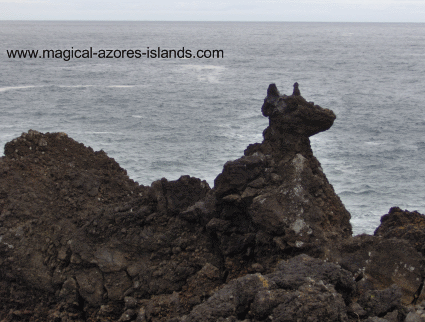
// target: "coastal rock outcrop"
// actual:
[[379, 263], [81, 241], [392, 256], [276, 199], [75, 226], [300, 289], [405, 225]]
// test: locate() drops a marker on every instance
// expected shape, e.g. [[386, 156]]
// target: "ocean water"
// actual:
[[170, 117]]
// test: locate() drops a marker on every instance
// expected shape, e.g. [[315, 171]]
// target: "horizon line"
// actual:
[[217, 21]]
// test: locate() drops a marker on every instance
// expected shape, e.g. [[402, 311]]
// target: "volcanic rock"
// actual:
[[380, 302], [404, 225], [416, 314], [74, 224], [80, 241], [301, 289], [378, 263], [276, 199]]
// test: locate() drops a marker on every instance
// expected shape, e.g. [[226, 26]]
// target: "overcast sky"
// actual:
[[216, 10]]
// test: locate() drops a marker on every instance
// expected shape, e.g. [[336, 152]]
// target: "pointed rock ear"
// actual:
[[296, 91], [272, 90]]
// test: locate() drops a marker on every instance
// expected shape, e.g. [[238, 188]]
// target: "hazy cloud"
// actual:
[[221, 10]]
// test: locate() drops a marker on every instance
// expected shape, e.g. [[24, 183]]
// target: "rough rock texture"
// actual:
[[378, 263], [80, 241], [301, 289], [74, 225], [380, 302], [276, 201], [404, 225], [416, 314], [410, 227]]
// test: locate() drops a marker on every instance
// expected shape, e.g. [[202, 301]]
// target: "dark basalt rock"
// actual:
[[294, 115], [379, 263], [80, 241], [301, 289], [404, 225], [278, 190], [74, 224], [381, 302]]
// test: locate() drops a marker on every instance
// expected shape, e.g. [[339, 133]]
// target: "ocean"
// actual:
[[167, 117]]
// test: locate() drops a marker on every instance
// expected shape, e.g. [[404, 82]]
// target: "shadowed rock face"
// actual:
[[79, 235], [293, 115], [73, 224], [404, 225], [300, 289], [278, 191], [379, 263]]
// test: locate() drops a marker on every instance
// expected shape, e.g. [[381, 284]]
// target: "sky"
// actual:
[[216, 10]]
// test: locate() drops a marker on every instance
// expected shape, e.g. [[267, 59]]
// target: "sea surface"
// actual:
[[170, 117]]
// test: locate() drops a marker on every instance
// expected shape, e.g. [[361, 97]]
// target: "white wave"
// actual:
[[9, 88], [204, 73], [121, 86], [200, 67], [375, 143], [99, 86], [102, 132], [74, 86]]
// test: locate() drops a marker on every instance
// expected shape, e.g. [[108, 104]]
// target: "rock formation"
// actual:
[[378, 263], [275, 201], [80, 241], [296, 90], [405, 225]]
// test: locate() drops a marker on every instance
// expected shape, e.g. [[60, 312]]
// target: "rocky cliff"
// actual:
[[80, 241]]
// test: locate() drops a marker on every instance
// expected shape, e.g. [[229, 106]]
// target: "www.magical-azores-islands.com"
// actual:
[[68, 54]]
